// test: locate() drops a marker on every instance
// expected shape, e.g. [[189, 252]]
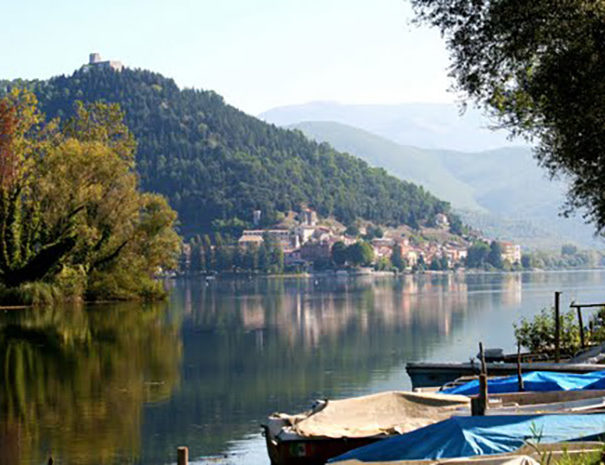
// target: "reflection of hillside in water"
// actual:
[[252, 347], [117, 384], [74, 381], [303, 312]]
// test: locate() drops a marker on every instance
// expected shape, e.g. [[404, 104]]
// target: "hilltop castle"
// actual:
[[96, 62]]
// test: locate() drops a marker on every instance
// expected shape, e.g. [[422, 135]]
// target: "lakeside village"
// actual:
[[301, 243]]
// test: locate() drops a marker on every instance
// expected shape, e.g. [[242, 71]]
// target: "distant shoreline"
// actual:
[[371, 273]]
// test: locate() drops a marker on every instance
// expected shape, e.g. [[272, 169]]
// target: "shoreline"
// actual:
[[371, 273], [337, 274]]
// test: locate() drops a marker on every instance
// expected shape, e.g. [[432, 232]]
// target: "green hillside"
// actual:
[[501, 192], [408, 163], [217, 164]]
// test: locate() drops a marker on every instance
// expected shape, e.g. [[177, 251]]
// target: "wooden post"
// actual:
[[579, 308], [475, 406], [519, 374], [182, 454], [557, 328], [482, 358], [479, 403]]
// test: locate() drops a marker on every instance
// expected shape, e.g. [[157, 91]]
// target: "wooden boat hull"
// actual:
[[311, 451], [426, 374]]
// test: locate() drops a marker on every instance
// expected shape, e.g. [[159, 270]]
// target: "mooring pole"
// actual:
[[579, 308], [182, 456], [519, 374], [557, 328], [482, 358], [479, 403]]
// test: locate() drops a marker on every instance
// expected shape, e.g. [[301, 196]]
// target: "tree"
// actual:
[[197, 257], [384, 264], [339, 253], [360, 253], [224, 258], [264, 257], [397, 259], [70, 205], [435, 264], [420, 264], [208, 253], [352, 230], [494, 256], [526, 261], [277, 259], [250, 259], [538, 67], [456, 225], [373, 231], [439, 263], [477, 254]]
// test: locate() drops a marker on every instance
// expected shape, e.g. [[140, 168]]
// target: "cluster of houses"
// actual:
[[308, 242]]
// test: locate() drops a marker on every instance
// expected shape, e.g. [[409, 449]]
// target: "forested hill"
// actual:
[[216, 163]]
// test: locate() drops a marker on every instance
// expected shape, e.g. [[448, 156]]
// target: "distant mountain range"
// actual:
[[501, 192], [428, 125]]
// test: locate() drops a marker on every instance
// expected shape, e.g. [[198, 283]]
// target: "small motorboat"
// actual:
[[427, 374], [527, 455], [332, 428], [470, 436]]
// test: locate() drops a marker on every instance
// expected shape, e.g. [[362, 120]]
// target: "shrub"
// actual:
[[72, 282], [34, 293], [538, 335]]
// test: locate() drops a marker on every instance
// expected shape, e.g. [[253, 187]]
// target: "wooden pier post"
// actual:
[[479, 403], [519, 373], [182, 454], [582, 343], [557, 328], [482, 358]]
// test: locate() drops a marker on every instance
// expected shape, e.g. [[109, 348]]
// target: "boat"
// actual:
[[527, 455], [551, 400], [333, 427], [469, 436], [427, 374], [536, 381]]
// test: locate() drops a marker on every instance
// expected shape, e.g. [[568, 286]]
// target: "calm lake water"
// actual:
[[127, 384]]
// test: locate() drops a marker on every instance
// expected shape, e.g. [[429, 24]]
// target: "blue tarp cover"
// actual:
[[535, 381], [468, 436]]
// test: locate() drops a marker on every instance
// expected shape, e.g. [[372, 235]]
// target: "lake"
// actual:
[[128, 383]]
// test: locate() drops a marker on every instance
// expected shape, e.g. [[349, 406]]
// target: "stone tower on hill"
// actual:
[[95, 61]]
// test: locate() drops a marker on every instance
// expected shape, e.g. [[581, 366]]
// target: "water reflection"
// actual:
[[306, 311], [252, 347], [74, 381], [125, 384]]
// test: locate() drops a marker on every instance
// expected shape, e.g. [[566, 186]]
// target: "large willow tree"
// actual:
[[539, 67], [71, 214]]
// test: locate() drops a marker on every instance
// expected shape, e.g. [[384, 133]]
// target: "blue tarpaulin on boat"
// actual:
[[536, 381], [469, 436]]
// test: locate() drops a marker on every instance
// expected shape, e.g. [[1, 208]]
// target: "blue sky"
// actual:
[[256, 53]]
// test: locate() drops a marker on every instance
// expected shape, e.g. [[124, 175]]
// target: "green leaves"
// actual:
[[539, 68], [538, 335], [72, 201], [217, 165]]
